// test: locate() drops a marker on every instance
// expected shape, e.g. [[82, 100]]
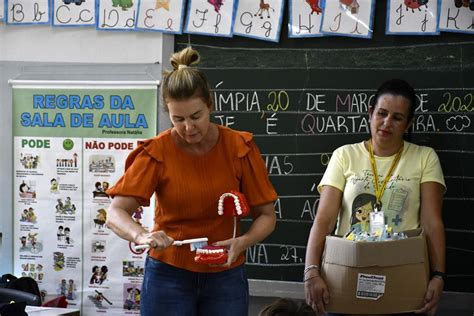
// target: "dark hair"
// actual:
[[24, 185], [359, 201], [184, 81], [287, 307], [363, 199], [398, 87]]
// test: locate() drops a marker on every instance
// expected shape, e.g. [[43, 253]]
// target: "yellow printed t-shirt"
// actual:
[[349, 170]]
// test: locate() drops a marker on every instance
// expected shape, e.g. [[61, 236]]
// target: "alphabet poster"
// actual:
[[160, 15], [210, 17], [26, 12], [259, 19], [116, 15], [305, 18], [457, 16], [413, 17], [70, 145], [74, 13], [351, 18]]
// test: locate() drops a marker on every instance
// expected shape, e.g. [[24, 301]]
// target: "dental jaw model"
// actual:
[[232, 204]]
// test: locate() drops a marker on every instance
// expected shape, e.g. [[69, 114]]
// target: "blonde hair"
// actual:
[[184, 81]]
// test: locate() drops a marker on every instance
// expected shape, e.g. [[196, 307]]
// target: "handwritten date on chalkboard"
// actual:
[[275, 255]]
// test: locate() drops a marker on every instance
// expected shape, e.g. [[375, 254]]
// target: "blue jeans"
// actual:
[[172, 291]]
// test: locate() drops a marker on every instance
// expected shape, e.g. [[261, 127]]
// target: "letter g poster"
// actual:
[[70, 145]]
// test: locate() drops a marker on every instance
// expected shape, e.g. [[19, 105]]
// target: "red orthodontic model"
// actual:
[[230, 204]]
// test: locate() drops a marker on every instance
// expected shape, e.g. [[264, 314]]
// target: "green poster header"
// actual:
[[85, 112]]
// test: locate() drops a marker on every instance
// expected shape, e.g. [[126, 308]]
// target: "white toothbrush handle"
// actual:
[[144, 246], [175, 243], [188, 241]]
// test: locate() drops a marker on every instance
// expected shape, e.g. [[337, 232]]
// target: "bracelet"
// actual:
[[310, 267], [311, 277], [439, 275]]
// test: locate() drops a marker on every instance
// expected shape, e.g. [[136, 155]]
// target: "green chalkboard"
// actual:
[[303, 98]]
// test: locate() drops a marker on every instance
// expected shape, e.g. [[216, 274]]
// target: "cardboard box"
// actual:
[[376, 277]]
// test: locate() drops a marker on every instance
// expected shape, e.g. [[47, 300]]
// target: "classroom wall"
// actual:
[[80, 44], [46, 52]]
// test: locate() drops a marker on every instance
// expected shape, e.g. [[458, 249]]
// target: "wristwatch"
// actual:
[[439, 274]]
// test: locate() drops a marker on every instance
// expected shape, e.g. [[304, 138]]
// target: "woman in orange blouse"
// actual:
[[189, 167]]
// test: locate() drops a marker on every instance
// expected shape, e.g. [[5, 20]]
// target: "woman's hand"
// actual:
[[158, 240], [235, 246], [316, 292], [432, 297]]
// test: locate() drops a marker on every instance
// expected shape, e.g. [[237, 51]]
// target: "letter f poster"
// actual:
[[70, 145]]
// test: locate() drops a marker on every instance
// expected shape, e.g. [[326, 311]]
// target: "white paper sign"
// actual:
[[73, 13], [370, 286], [348, 18], [28, 12], [305, 18], [211, 17], [161, 15], [259, 19], [412, 17], [457, 16], [117, 15]]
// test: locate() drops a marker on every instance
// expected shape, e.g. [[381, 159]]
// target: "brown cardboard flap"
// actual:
[[382, 253]]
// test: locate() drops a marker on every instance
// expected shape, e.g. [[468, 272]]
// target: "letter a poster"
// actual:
[[70, 145]]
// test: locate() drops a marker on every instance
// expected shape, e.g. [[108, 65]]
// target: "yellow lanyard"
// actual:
[[380, 189]]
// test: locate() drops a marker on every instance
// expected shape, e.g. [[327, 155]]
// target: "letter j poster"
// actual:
[[70, 145]]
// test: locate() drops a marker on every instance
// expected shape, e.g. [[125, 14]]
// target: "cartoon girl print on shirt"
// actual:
[[362, 205]]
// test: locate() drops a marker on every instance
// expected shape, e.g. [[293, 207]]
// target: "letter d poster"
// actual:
[[70, 145]]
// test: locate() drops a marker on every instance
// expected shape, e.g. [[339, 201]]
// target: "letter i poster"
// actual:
[[70, 145]]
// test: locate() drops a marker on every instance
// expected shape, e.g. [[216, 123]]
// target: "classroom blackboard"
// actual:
[[303, 98]]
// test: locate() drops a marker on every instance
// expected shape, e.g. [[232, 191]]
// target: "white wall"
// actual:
[[80, 44]]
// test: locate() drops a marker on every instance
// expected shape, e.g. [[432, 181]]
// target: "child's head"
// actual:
[[287, 307]]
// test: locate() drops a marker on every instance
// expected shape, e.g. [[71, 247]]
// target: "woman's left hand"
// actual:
[[264, 220], [432, 297], [235, 246]]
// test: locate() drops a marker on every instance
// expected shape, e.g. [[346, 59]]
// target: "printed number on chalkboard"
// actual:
[[281, 101]]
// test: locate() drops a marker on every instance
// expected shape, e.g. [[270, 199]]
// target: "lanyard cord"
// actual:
[[379, 190]]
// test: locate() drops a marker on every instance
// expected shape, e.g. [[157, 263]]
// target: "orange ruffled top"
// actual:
[[187, 188]]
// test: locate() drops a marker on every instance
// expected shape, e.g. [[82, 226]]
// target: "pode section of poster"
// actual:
[[47, 213]]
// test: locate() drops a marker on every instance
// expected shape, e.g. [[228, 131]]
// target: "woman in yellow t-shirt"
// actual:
[[409, 190]]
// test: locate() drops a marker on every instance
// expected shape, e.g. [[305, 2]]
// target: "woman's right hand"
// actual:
[[158, 240], [316, 292]]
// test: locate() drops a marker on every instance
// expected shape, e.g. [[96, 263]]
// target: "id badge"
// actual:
[[377, 223]]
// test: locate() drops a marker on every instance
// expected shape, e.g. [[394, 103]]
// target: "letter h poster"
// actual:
[[70, 144]]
